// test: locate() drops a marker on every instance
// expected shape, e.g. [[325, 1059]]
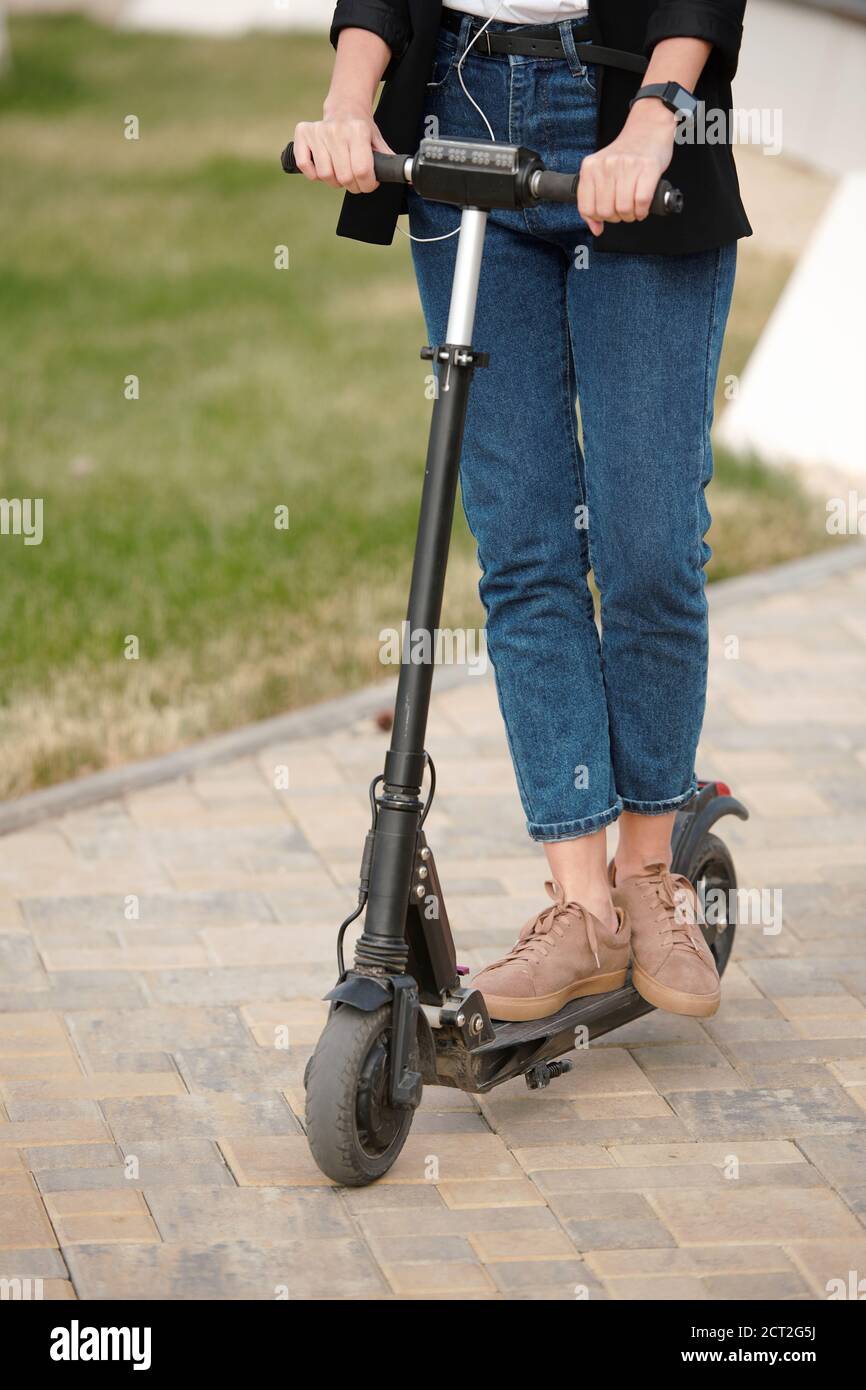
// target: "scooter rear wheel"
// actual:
[[354, 1131], [712, 870]]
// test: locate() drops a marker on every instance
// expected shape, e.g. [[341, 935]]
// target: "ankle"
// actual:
[[595, 899], [633, 865]]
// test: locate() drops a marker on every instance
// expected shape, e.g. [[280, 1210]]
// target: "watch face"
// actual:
[[683, 101]]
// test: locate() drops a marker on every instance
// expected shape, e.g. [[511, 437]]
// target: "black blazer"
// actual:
[[713, 213]]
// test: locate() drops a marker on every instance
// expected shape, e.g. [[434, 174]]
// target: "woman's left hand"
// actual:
[[617, 183]]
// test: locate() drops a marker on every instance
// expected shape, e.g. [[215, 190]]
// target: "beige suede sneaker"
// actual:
[[673, 967], [562, 954]]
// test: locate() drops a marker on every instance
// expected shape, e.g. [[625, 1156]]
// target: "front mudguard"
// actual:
[[696, 819], [370, 992]]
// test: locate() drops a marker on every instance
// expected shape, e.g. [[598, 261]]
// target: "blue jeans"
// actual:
[[595, 725]]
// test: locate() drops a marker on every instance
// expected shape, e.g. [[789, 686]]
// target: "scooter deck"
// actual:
[[518, 1046], [598, 1013]]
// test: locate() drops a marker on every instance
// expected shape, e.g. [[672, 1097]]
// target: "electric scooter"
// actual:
[[400, 1016]]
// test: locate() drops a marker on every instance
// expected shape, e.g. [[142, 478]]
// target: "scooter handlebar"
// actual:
[[550, 187], [546, 185], [388, 168]]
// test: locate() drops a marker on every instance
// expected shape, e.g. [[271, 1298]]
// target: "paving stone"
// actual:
[[177, 1151], [96, 1086], [538, 1156], [673, 1288], [79, 990], [162, 909], [755, 1287], [492, 1247], [196, 1116], [624, 1180], [659, 1128], [278, 1161], [156, 1029], [686, 1067], [220, 1269], [195, 988], [241, 1069], [841, 1158], [27, 1067], [733, 1214], [187, 1175], [455, 1277], [411, 1249], [824, 1260], [382, 1197], [101, 1216], [520, 1192], [778, 1076], [571, 1277], [442, 1221], [45, 1262], [453, 1158], [85, 1129], [269, 1214], [699, 1260], [23, 1222], [767, 1114], [758, 1151]]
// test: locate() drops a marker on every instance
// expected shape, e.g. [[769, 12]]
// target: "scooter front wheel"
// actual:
[[354, 1132]]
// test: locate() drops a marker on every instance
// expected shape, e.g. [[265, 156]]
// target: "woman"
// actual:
[[624, 315]]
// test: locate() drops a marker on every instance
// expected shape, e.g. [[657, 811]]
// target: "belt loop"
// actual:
[[465, 35], [566, 34]]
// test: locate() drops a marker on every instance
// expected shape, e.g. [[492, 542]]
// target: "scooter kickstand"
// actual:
[[543, 1073]]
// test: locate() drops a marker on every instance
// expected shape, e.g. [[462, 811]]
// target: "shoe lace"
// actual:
[[676, 906], [534, 942]]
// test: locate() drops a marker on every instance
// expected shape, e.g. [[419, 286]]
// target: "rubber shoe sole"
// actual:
[[543, 1005], [674, 1001]]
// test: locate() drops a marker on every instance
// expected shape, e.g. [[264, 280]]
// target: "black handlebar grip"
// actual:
[[287, 159], [667, 200], [388, 168], [549, 187]]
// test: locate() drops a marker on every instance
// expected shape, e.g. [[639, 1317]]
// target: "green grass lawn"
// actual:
[[259, 388]]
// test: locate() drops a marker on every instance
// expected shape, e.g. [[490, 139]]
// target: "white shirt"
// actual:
[[521, 11]]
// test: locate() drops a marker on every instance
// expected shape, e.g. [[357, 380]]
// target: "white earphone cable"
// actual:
[[461, 60]]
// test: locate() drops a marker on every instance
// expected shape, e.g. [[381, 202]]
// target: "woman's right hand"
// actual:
[[339, 149]]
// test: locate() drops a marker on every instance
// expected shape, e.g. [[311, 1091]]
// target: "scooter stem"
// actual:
[[467, 272], [382, 944]]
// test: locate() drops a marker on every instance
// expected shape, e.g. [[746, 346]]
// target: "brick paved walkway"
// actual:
[[151, 1142]]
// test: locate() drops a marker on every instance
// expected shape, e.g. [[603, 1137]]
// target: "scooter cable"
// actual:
[[362, 894]]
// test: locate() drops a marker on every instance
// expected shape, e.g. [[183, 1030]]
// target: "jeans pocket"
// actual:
[[586, 75], [443, 66]]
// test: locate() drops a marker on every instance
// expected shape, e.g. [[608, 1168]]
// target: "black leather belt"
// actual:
[[540, 41]]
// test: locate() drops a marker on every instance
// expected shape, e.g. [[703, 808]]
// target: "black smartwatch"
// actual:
[[671, 95]]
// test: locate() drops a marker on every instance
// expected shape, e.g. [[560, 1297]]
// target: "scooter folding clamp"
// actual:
[[456, 355]]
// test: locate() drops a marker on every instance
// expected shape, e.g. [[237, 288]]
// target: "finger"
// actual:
[[322, 161], [624, 194], [644, 192], [303, 155], [605, 195], [341, 161], [361, 158], [586, 193], [380, 143]]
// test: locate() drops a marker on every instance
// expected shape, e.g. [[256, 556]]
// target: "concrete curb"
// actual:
[[360, 704]]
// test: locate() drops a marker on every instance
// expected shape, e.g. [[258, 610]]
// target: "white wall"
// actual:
[[226, 16], [812, 65]]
